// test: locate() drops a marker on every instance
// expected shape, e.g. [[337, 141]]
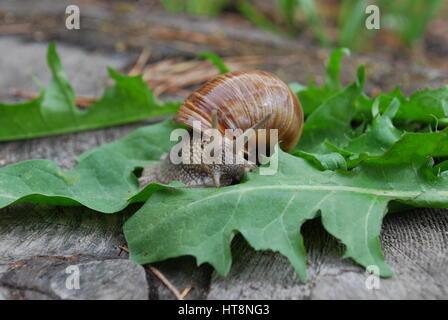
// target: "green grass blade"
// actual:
[[256, 17], [217, 61]]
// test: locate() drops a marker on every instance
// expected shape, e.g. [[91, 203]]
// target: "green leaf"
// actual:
[[103, 180], [311, 97], [269, 211], [332, 79], [329, 161], [332, 120], [441, 168], [315, 22], [413, 146], [422, 106], [381, 140], [432, 144], [287, 9], [217, 61], [55, 112], [409, 18], [195, 7], [255, 16], [378, 138], [351, 19], [330, 124]]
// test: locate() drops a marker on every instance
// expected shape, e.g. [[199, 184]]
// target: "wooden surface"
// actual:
[[415, 245], [40, 241]]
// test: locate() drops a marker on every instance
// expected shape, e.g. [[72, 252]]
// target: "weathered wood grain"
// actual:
[[47, 277], [415, 245]]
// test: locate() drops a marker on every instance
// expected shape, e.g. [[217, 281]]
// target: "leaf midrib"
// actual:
[[402, 195]]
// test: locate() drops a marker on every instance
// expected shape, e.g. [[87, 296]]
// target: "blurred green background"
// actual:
[[329, 22]]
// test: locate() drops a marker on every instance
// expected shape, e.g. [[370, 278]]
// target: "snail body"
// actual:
[[235, 100]]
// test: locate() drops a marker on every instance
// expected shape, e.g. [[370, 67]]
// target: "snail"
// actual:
[[234, 100]]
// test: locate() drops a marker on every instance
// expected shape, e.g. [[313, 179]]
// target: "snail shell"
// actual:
[[242, 99], [235, 100]]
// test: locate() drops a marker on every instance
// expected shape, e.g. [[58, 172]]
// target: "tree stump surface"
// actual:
[[39, 242]]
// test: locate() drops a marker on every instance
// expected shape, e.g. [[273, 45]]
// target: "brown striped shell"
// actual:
[[242, 99]]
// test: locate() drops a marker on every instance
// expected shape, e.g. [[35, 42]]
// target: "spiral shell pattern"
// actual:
[[242, 99]]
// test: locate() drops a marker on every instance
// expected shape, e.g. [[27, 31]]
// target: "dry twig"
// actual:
[[173, 76], [123, 249], [20, 28], [186, 291], [140, 63], [166, 282]]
